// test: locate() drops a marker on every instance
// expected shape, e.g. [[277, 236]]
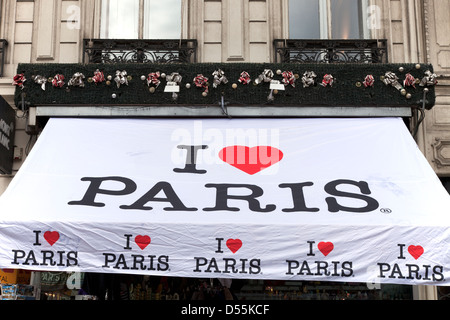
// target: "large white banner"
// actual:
[[349, 200]]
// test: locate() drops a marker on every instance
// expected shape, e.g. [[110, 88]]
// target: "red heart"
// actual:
[[142, 241], [325, 247], [234, 245], [415, 251], [51, 237], [251, 160]]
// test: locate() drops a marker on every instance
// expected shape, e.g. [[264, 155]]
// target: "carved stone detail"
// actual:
[[441, 151]]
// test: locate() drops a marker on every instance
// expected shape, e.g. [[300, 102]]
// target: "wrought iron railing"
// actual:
[[139, 51], [3, 44], [330, 51]]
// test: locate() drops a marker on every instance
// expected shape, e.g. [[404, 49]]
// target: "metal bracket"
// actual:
[[422, 112], [223, 105]]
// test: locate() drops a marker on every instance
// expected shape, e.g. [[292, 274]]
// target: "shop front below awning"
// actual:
[[344, 200]]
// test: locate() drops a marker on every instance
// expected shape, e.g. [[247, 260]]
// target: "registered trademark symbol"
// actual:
[[385, 210]]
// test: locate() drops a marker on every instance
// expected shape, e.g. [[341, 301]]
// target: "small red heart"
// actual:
[[325, 247], [415, 251], [142, 241], [51, 237], [234, 245], [250, 160]]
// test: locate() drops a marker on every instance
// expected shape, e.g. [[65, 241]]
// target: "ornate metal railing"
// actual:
[[330, 51], [3, 44], [139, 51]]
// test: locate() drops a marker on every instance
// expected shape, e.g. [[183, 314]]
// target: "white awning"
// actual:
[[325, 199]]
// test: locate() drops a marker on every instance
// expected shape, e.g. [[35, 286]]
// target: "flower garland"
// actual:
[[153, 80]]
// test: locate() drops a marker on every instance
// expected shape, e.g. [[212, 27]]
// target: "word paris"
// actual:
[[265, 157], [314, 259]]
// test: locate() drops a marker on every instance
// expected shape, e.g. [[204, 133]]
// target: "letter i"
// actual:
[[128, 236], [219, 245], [401, 251], [311, 248], [37, 243]]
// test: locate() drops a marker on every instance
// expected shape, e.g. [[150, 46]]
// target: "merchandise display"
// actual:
[[152, 288]]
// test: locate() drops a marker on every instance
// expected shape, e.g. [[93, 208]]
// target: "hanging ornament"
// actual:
[[121, 78], [58, 81], [245, 78], [327, 80], [77, 80], [391, 79], [288, 78], [409, 81], [369, 81], [201, 82], [173, 77], [266, 76], [153, 79], [173, 83], [19, 80], [40, 80], [219, 77], [308, 79], [429, 79], [98, 77]]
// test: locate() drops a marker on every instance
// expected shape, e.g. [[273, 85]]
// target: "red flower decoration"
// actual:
[[58, 81], [288, 78], [19, 80], [245, 78], [201, 82], [369, 81], [409, 81], [98, 76], [327, 80], [153, 78]]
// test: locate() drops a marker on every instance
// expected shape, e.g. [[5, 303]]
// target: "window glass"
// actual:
[[328, 19], [120, 19], [133, 19], [304, 19], [162, 19], [346, 19]]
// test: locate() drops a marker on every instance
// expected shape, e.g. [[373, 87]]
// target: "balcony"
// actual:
[[330, 51], [139, 51], [3, 44]]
